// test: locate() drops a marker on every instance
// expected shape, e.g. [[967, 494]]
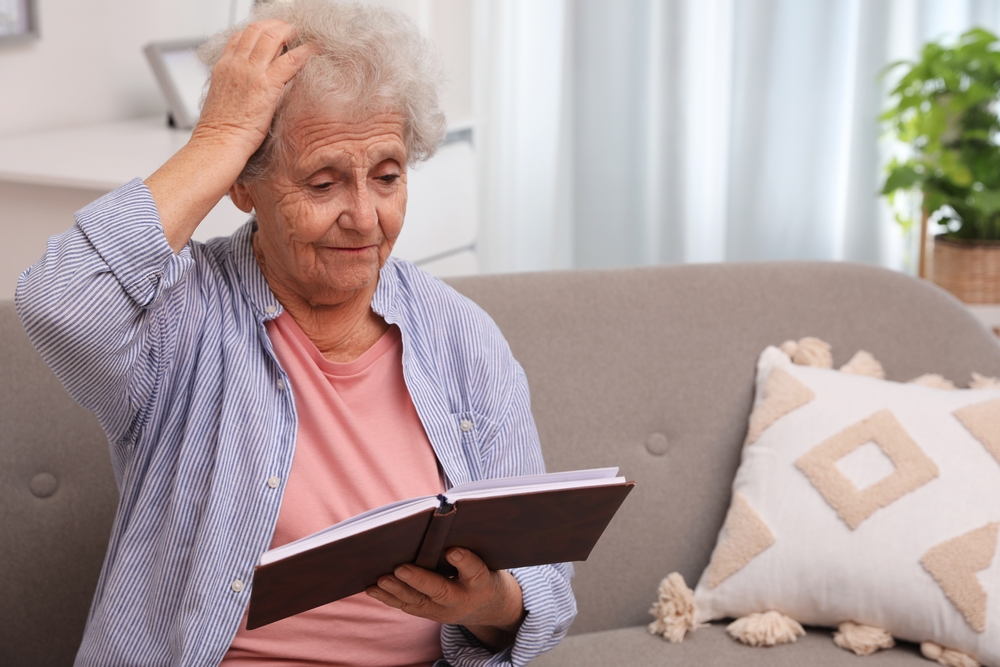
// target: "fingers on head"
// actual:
[[297, 57], [232, 43], [288, 64], [265, 39]]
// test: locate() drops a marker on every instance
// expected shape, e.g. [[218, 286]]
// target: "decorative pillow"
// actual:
[[860, 503]]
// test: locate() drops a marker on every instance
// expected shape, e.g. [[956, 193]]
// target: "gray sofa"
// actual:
[[649, 369]]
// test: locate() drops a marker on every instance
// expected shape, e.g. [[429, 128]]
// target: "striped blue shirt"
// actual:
[[171, 353]]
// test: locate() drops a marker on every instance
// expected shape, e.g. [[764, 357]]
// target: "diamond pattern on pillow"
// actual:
[[983, 422], [954, 564], [854, 505], [744, 536], [782, 394]]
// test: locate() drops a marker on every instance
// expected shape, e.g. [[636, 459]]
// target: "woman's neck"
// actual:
[[342, 329], [341, 333]]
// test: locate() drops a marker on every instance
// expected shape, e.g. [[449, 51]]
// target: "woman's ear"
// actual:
[[240, 195]]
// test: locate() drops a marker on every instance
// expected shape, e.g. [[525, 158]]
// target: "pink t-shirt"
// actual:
[[360, 445]]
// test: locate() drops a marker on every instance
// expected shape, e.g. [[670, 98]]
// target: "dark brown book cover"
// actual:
[[534, 528]]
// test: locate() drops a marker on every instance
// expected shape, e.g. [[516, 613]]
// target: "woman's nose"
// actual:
[[362, 216]]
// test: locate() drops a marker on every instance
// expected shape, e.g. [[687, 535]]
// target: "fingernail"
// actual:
[[372, 594], [455, 555], [403, 573], [386, 584]]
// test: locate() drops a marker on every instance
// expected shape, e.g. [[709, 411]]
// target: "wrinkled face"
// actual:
[[328, 218]]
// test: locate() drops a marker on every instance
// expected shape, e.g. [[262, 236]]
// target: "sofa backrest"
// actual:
[[652, 370], [649, 369], [57, 501]]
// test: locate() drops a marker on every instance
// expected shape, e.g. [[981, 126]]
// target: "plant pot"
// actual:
[[969, 269]]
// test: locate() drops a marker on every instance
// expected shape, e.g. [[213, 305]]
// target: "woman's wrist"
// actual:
[[502, 631], [192, 182]]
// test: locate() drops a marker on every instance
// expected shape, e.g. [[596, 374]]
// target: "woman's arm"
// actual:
[[88, 305]]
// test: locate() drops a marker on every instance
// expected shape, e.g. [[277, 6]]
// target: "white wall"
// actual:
[[88, 65]]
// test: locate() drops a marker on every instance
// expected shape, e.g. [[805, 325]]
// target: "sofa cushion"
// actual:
[[868, 501], [711, 646]]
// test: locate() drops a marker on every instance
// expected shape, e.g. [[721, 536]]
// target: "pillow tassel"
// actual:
[[862, 639], [765, 629], [948, 657], [674, 609], [813, 352], [983, 382], [790, 347], [863, 363], [934, 381]]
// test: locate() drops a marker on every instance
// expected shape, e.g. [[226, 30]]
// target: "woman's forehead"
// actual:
[[314, 131]]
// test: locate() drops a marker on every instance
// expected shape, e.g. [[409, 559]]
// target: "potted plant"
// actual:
[[945, 109]]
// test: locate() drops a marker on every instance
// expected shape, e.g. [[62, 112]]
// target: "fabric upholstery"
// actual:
[[57, 501], [712, 647]]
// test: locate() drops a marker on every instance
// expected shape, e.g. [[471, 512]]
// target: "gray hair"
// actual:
[[370, 59]]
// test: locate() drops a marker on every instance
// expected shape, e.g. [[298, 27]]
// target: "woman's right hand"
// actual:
[[246, 83], [235, 119]]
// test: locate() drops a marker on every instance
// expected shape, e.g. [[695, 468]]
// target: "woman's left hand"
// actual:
[[487, 602]]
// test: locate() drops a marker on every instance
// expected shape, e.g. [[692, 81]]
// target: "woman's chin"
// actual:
[[332, 288]]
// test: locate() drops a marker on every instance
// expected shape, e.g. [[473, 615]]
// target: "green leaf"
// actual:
[[986, 202], [944, 106], [934, 200], [902, 177]]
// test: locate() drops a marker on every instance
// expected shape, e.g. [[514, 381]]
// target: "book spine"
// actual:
[[437, 532]]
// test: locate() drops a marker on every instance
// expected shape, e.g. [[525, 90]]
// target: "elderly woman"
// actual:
[[259, 387]]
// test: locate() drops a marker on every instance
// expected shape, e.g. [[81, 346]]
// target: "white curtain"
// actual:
[[625, 132]]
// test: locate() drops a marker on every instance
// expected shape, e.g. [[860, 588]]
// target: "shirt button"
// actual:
[[281, 383], [237, 585], [270, 309], [465, 425], [273, 482]]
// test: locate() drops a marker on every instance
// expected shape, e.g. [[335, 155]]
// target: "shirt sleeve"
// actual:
[[548, 597], [88, 308]]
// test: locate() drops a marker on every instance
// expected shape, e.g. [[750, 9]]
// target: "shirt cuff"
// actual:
[[545, 624], [124, 228]]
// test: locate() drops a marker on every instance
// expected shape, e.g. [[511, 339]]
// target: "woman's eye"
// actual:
[[321, 186], [389, 178]]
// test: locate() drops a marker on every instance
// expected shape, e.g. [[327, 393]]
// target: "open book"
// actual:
[[508, 522]]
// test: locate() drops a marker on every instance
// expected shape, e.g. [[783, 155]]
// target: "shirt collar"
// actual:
[[251, 279], [384, 299]]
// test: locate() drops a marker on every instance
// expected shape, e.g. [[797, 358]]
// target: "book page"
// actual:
[[356, 524], [528, 480], [485, 488], [453, 496]]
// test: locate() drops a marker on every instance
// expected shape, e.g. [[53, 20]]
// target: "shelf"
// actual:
[[96, 157]]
